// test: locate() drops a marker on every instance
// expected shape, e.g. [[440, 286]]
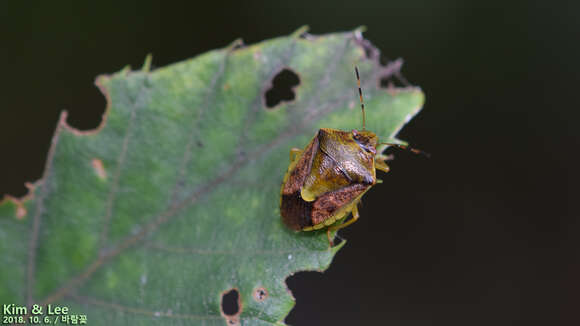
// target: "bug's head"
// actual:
[[367, 140]]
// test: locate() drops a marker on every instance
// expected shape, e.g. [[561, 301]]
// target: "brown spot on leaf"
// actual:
[[20, 211], [99, 168], [260, 294]]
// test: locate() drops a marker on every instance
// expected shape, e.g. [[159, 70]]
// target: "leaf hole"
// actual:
[[87, 112], [393, 82], [230, 302], [282, 89], [391, 75], [260, 294], [383, 60]]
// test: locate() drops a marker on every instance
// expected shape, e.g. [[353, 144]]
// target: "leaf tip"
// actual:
[[333, 250], [300, 31], [126, 70], [147, 63], [359, 30], [236, 44]]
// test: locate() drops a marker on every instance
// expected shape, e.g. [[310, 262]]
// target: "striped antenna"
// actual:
[[407, 148], [362, 104]]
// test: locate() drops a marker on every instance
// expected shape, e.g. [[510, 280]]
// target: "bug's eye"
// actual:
[[371, 149]]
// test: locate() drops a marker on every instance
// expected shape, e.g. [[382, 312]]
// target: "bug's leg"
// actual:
[[381, 165], [354, 218], [407, 148], [294, 153], [380, 162], [384, 158]]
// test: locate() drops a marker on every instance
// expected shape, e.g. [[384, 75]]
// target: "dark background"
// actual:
[[483, 233]]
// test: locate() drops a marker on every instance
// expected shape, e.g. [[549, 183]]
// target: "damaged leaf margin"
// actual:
[[124, 227]]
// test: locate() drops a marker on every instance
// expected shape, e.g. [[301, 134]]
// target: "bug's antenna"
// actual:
[[407, 148], [362, 103]]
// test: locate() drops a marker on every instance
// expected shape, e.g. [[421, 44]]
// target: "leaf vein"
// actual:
[[36, 220], [198, 251], [120, 162], [141, 311], [194, 132]]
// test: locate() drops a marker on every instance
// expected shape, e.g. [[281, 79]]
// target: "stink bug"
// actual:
[[326, 180]]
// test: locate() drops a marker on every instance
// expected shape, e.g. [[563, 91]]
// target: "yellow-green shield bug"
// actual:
[[326, 180]]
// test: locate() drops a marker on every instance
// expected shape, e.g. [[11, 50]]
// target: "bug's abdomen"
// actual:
[[296, 212]]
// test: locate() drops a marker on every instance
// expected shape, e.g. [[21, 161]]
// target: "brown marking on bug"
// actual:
[[302, 169], [260, 294], [232, 318], [327, 205], [99, 168], [296, 212]]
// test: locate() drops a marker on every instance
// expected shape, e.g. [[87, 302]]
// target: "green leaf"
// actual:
[[174, 199]]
